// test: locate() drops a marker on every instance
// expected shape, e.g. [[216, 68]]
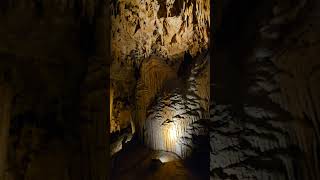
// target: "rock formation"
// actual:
[[149, 41], [268, 128], [165, 29], [176, 118]]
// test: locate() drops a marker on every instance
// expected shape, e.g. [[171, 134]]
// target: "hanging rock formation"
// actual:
[[164, 28]]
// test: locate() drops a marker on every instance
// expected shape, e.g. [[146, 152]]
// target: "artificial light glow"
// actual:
[[166, 128], [172, 133]]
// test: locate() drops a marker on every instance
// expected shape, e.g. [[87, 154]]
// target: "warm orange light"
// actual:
[[173, 133]]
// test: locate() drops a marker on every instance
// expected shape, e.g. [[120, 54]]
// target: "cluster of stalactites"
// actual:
[[161, 28]]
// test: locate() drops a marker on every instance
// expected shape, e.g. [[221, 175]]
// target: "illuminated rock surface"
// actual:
[[178, 115], [149, 40], [165, 28]]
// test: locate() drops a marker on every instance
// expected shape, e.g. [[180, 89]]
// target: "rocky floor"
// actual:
[[138, 162]]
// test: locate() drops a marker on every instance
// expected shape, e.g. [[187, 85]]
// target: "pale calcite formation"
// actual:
[[164, 28], [154, 74], [176, 120]]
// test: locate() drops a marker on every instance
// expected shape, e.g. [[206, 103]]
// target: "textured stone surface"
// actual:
[[270, 131], [177, 117], [163, 28], [147, 35]]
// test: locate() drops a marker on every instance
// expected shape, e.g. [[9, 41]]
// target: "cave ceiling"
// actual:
[[164, 28]]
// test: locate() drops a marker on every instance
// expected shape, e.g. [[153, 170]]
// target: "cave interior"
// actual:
[[159, 89]]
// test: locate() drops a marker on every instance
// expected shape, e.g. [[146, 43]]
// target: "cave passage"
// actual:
[[62, 62], [160, 89], [174, 140]]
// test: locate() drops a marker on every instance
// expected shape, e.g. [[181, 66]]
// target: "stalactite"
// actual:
[[147, 33]]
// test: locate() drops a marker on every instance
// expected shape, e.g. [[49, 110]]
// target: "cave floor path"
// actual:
[[137, 162]]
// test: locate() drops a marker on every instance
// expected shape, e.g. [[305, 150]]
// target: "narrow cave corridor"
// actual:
[[174, 140]]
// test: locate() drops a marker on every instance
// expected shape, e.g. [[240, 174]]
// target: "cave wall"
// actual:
[[54, 55], [264, 111], [40, 105], [143, 31], [176, 121]]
